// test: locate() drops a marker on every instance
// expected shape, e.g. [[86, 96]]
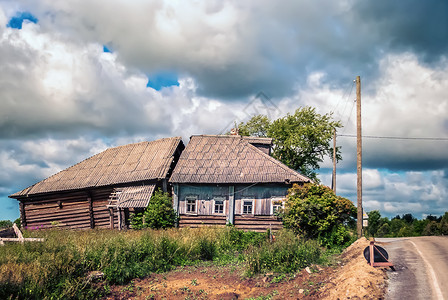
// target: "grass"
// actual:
[[58, 268]]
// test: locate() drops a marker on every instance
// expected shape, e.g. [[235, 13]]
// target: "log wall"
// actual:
[[252, 223], [200, 221], [78, 209], [258, 223]]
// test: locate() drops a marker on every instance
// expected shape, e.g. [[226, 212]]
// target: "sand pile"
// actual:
[[355, 279]]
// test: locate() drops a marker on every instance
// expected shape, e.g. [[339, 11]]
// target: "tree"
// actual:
[[314, 210], [431, 218], [444, 224], [395, 225], [160, 212], [300, 141], [419, 226], [432, 228], [384, 229], [5, 223], [256, 126], [374, 222], [409, 218]]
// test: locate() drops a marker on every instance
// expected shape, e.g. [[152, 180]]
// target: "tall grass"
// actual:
[[288, 254], [59, 267]]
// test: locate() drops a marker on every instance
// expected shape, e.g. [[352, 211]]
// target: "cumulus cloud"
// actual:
[[63, 98], [50, 84], [235, 49]]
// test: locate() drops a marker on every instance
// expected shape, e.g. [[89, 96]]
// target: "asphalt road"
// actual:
[[421, 265]]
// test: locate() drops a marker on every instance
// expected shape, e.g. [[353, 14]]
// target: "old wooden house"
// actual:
[[222, 179], [100, 191]]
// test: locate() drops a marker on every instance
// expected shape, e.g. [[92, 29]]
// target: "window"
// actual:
[[219, 205], [248, 206], [276, 205], [191, 204]]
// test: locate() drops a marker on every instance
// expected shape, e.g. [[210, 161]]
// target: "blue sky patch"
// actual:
[[17, 21], [160, 80], [106, 49]]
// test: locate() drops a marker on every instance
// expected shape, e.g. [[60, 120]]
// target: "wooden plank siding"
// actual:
[[261, 196], [80, 210]]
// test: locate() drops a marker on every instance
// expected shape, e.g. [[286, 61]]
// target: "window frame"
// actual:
[[219, 198], [247, 199], [191, 198]]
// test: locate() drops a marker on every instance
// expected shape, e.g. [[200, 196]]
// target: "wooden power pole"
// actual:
[[359, 156], [333, 181]]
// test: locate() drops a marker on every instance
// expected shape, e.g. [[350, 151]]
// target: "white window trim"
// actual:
[[223, 199], [251, 199], [191, 197], [276, 199]]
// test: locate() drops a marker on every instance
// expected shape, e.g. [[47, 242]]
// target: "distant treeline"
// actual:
[[405, 225]]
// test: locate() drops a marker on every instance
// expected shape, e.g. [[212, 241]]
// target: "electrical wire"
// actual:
[[396, 137], [345, 95]]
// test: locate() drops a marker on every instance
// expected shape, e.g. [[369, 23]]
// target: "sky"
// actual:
[[78, 77]]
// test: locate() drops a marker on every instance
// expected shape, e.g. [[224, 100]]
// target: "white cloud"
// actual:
[[419, 193], [50, 83]]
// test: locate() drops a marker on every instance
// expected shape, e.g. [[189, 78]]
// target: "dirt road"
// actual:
[[421, 267]]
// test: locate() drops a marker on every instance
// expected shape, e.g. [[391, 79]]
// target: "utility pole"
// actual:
[[333, 182], [359, 155]]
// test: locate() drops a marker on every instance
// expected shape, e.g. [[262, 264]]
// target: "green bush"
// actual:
[[160, 212], [313, 211], [207, 249], [340, 236], [136, 220]]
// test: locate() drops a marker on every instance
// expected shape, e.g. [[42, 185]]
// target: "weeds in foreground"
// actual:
[[58, 268], [288, 254]]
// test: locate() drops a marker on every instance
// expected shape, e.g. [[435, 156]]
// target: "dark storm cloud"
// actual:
[[395, 155], [287, 41], [416, 26]]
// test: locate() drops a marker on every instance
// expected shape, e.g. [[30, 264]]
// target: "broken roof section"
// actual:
[[120, 165], [230, 159], [134, 196]]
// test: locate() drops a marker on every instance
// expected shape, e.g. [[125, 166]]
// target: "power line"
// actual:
[[397, 137], [345, 95], [349, 116]]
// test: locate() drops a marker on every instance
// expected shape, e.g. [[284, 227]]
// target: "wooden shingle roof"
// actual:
[[230, 159], [119, 165]]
